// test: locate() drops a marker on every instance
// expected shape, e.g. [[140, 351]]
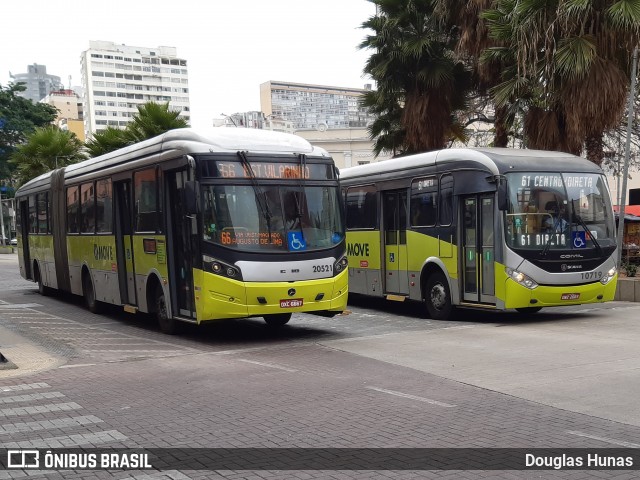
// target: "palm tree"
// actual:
[[416, 72], [572, 63], [151, 120], [46, 148], [108, 140], [154, 119]]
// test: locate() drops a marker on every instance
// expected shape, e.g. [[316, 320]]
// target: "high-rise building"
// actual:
[[118, 78], [315, 107], [38, 82]]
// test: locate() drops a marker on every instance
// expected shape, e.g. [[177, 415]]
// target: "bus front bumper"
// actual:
[[518, 296], [219, 297]]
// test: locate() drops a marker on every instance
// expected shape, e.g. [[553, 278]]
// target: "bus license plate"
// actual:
[[570, 296], [291, 303]]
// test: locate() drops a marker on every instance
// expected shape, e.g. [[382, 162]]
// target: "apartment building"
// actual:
[[117, 78], [316, 107], [70, 111]]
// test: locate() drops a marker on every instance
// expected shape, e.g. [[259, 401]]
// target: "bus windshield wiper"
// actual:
[[263, 204], [586, 229]]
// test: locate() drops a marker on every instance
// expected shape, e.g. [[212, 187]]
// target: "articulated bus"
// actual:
[[484, 228], [192, 226]]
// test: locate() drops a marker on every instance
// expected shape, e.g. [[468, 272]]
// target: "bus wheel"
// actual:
[[437, 297], [277, 319], [167, 325], [89, 294], [528, 309]]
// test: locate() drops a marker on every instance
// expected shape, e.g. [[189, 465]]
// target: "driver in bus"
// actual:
[[555, 222]]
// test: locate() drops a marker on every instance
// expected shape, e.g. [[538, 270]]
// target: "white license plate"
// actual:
[[291, 303], [570, 296]]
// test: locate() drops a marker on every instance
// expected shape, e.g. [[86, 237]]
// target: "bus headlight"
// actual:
[[214, 265], [521, 278], [340, 265], [607, 277]]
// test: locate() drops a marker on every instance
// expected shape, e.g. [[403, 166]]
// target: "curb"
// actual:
[[23, 357]]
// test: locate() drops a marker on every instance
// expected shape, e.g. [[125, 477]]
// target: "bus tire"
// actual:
[[437, 297], [528, 309], [89, 294], [42, 288], [168, 325], [277, 319]]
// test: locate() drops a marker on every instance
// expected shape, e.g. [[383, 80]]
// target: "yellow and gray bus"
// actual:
[[192, 226], [485, 228]]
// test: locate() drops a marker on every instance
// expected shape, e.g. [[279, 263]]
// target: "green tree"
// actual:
[[19, 117], [46, 148], [417, 75], [152, 119], [572, 65]]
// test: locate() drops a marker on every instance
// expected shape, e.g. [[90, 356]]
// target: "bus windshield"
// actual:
[[558, 211], [272, 217]]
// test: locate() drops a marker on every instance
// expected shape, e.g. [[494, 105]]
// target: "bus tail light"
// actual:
[[521, 278], [607, 277]]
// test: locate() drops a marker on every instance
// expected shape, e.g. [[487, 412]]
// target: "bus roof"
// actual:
[[496, 161], [184, 141]]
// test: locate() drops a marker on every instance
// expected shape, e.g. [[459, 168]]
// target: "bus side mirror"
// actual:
[[190, 197], [503, 203]]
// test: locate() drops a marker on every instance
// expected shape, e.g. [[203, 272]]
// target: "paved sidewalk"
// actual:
[[24, 356]]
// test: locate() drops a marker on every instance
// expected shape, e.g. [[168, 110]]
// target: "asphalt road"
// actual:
[[382, 377]]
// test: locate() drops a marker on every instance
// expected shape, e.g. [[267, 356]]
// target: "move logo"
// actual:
[[358, 249], [102, 252]]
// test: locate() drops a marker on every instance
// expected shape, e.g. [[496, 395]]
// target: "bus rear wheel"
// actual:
[[528, 309], [89, 294], [437, 297], [167, 325], [277, 319]]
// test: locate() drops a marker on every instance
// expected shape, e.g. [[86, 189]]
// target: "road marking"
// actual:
[[30, 397], [612, 441], [51, 407], [271, 365], [68, 441], [12, 306], [78, 365], [412, 397], [23, 386], [57, 423]]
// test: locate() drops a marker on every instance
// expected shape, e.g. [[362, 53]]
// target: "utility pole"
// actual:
[[627, 155]]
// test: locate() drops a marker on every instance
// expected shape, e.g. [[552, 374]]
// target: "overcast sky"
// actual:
[[231, 46]]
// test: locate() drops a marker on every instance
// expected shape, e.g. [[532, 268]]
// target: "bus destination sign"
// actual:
[[273, 170]]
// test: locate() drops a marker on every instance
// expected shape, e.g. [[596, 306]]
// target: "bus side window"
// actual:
[[33, 217], [73, 200], [361, 207], [424, 202]]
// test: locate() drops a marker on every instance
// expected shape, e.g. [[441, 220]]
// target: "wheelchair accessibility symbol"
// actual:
[[296, 241], [579, 239]]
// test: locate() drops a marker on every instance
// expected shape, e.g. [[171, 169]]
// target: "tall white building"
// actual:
[[118, 78]]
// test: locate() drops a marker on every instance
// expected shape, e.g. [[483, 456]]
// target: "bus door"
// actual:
[[124, 246], [25, 259], [394, 231], [181, 230], [478, 281]]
